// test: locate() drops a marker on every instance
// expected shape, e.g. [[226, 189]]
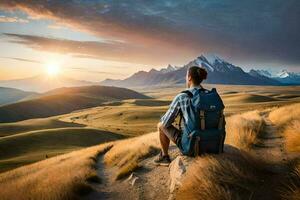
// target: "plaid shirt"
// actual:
[[179, 103]]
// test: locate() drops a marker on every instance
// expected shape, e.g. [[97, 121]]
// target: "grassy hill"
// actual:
[[137, 117], [102, 92], [237, 174], [247, 98], [65, 100], [31, 140], [7, 129], [130, 118], [11, 95], [28, 147]]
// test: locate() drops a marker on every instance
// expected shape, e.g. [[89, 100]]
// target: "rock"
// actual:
[[132, 179], [177, 169]]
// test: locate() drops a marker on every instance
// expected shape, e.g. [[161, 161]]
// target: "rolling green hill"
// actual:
[[64, 100]]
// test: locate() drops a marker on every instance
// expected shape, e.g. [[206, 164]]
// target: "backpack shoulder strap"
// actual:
[[189, 93]]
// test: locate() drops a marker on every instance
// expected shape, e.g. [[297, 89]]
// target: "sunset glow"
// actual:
[[53, 69], [101, 39]]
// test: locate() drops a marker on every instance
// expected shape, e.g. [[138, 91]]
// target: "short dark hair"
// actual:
[[197, 74]]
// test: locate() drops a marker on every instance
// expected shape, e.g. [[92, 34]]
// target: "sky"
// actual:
[[98, 39]]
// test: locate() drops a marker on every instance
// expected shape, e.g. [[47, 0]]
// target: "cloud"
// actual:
[[55, 26], [12, 20], [113, 51], [95, 71], [264, 31], [24, 60]]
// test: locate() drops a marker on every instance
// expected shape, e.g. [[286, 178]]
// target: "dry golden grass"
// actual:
[[61, 177], [292, 136], [292, 190], [281, 117], [129, 167], [242, 130], [126, 154], [287, 119], [232, 175]]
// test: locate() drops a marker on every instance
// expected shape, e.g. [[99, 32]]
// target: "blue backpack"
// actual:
[[203, 123]]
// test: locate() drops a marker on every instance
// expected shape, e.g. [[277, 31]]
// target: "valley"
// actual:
[[115, 117]]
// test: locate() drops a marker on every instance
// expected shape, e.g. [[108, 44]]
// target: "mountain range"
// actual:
[[219, 72], [283, 76]]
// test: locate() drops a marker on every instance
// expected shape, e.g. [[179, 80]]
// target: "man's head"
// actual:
[[195, 75]]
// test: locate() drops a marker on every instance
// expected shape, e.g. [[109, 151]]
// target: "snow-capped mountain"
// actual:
[[222, 72], [213, 63], [219, 72], [284, 76], [264, 73], [287, 77], [169, 68], [261, 76]]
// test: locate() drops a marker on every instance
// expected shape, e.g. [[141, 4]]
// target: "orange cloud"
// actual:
[[152, 35], [177, 30], [113, 51]]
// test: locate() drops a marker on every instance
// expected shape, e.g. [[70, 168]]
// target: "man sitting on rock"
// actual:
[[195, 106]]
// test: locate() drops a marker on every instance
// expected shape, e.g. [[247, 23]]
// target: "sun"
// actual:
[[53, 69]]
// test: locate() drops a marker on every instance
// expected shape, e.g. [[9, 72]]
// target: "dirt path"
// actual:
[[108, 188], [271, 144], [152, 182], [271, 149]]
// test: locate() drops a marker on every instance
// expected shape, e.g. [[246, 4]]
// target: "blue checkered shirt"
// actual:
[[179, 104]]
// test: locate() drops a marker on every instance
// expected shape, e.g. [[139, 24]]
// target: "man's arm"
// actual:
[[172, 112]]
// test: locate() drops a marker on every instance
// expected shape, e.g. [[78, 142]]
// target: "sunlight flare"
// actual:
[[53, 69]]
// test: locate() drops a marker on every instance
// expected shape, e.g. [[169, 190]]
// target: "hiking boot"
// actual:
[[162, 160]]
